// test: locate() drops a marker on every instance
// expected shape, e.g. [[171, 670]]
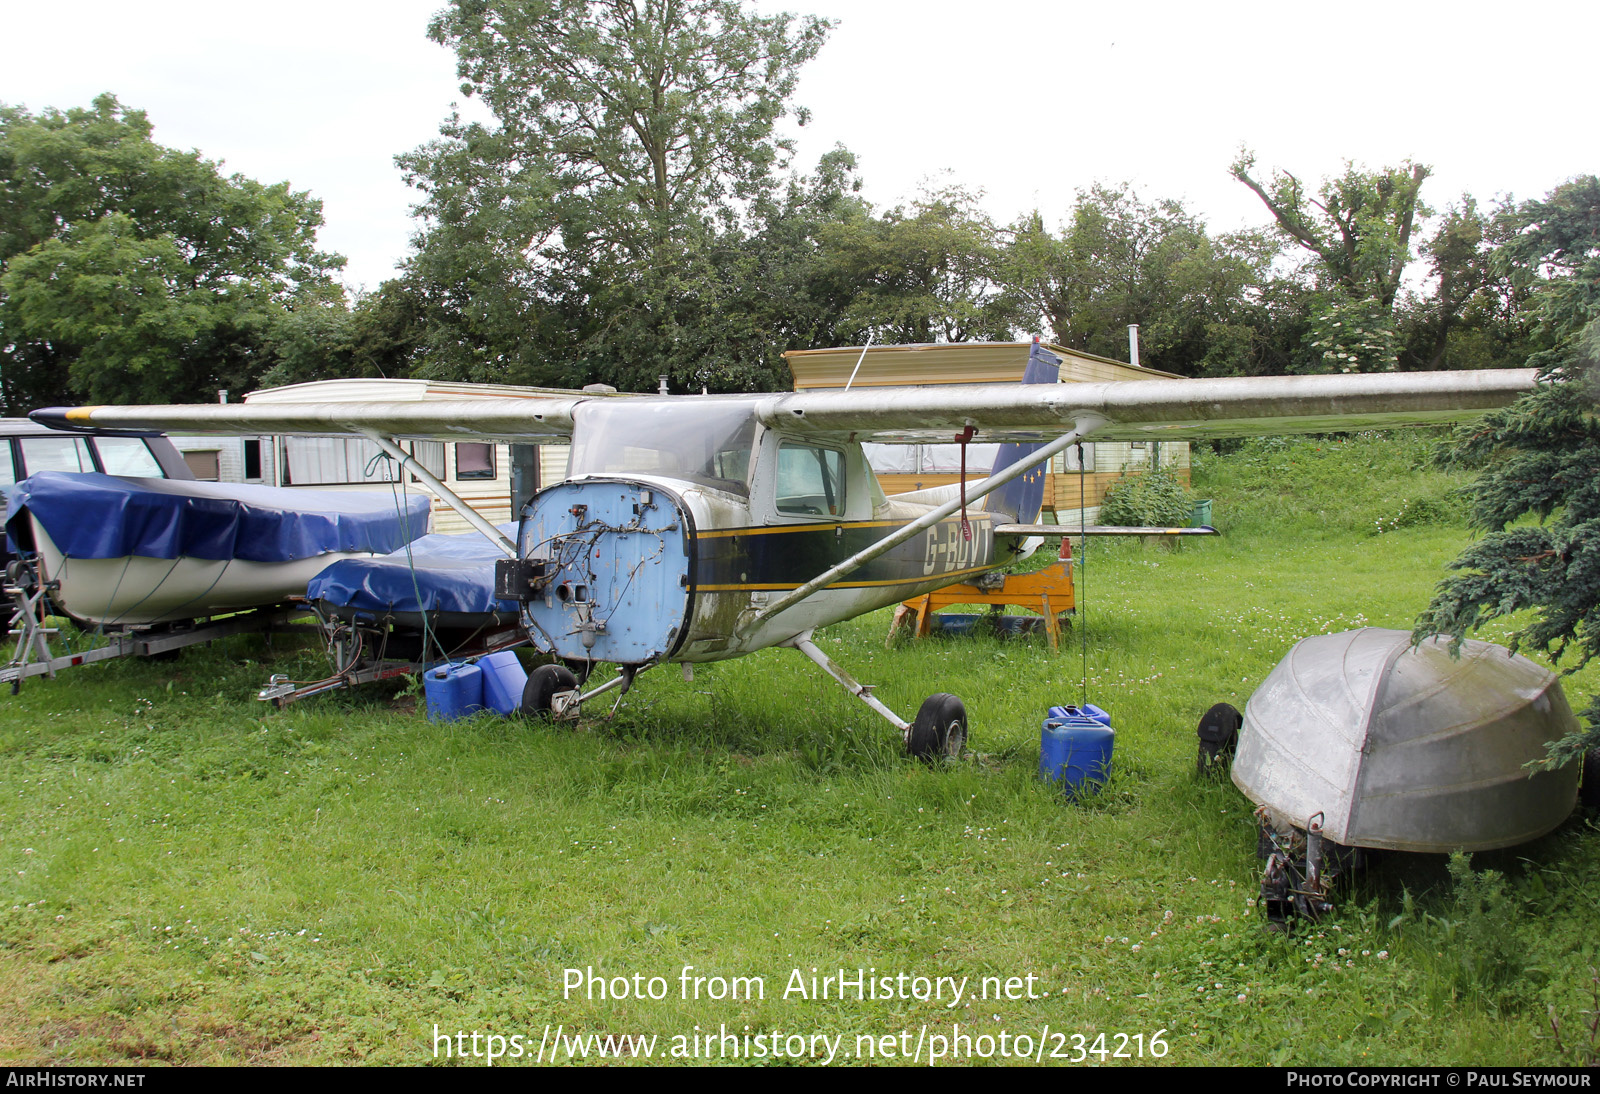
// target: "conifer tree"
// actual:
[[1541, 459]]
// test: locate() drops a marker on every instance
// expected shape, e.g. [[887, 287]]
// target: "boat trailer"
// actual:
[[30, 621]]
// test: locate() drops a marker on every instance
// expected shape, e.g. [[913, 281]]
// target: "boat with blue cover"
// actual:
[[419, 607], [437, 580], [125, 552]]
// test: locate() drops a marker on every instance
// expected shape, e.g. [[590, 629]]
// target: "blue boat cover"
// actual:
[[435, 574], [90, 515]]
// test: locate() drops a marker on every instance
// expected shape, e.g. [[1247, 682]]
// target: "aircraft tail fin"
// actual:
[[1019, 500]]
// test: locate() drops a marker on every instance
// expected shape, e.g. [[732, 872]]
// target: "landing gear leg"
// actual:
[[940, 730]]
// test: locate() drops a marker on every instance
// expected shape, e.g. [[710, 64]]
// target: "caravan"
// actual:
[[496, 480]]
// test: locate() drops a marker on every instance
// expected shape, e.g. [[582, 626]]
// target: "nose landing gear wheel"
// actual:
[[543, 683], [940, 729]]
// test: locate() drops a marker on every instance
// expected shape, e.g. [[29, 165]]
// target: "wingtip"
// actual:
[[64, 417]]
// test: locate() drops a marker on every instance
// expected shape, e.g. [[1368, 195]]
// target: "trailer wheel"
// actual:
[[1589, 788], [1219, 737], [543, 683], [940, 729]]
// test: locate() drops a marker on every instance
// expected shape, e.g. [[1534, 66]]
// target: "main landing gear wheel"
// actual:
[[940, 729], [543, 683], [1219, 738]]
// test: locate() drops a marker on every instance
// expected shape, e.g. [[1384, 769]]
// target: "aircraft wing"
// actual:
[[1152, 409], [1124, 410], [507, 419]]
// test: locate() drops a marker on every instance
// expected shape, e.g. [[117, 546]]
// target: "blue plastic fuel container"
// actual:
[[1075, 747], [453, 690], [503, 681]]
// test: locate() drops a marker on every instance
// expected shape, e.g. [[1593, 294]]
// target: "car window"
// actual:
[[128, 456], [56, 454]]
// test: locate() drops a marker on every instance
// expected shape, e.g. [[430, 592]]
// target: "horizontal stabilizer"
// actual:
[[1061, 531]]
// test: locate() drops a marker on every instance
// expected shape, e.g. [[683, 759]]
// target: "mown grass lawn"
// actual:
[[190, 877]]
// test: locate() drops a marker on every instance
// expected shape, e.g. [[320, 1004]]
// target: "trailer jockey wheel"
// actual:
[[1219, 738], [940, 730], [22, 575]]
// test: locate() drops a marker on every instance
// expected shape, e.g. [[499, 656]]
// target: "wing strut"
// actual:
[[1081, 428], [451, 498]]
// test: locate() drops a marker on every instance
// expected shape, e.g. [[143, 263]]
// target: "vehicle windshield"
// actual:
[[703, 442]]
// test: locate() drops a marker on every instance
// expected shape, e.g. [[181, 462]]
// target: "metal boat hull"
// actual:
[[1407, 748]]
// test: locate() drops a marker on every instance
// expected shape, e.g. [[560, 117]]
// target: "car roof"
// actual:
[[26, 427]]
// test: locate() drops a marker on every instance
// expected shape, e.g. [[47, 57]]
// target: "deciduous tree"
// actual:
[[930, 273], [1358, 230], [1476, 314], [631, 143], [134, 272], [1121, 260]]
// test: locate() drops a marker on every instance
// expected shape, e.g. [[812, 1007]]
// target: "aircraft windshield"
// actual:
[[707, 443]]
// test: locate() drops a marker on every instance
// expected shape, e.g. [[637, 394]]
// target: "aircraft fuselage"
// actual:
[[643, 570]]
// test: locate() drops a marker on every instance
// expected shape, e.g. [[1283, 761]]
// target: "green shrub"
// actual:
[[1154, 499], [1415, 512], [1477, 951]]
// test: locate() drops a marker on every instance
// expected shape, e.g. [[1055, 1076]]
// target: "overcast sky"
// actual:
[[1028, 101]]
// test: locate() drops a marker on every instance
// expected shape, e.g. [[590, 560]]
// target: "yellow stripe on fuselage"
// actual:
[[772, 529], [952, 574]]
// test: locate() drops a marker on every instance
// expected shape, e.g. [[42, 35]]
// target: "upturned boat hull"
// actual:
[[1407, 748]]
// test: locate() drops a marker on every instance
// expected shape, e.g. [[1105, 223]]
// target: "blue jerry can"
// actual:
[[1075, 747], [453, 690], [503, 681]]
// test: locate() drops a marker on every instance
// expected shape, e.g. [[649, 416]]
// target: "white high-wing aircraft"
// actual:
[[700, 528]]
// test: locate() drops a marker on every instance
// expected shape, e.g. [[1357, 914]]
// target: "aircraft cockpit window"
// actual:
[[708, 445], [810, 481]]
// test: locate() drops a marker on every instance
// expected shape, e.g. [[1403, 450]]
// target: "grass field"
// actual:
[[192, 878]]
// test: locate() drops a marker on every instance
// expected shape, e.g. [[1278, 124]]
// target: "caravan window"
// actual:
[[333, 461], [474, 460], [430, 454], [930, 459], [205, 464]]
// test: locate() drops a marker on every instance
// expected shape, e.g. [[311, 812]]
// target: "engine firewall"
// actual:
[[616, 584]]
